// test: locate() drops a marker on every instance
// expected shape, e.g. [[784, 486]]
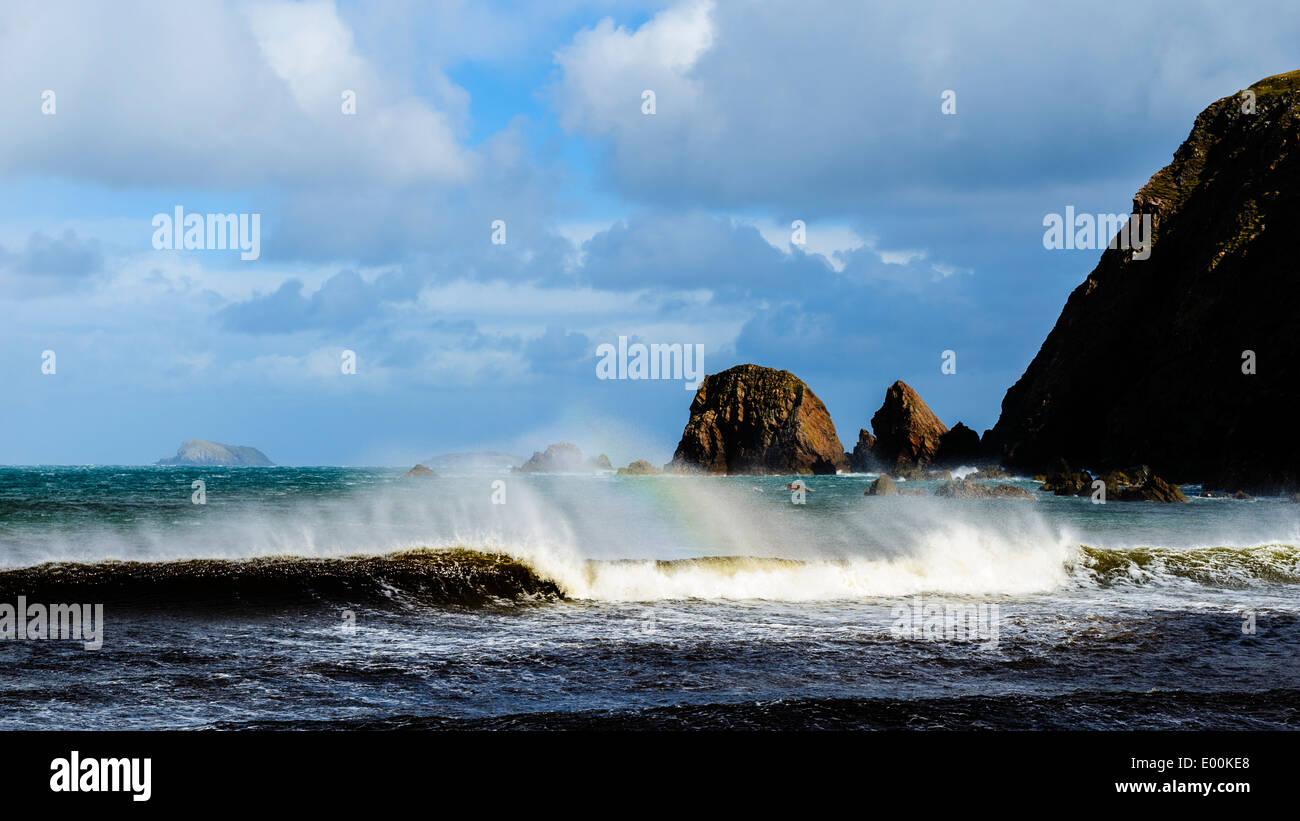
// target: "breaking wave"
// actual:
[[1231, 567], [473, 578]]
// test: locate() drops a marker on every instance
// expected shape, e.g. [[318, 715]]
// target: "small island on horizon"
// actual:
[[202, 453]]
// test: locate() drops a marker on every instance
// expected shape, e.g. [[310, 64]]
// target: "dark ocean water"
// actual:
[[331, 597]]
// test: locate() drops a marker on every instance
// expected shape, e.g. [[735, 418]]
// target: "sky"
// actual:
[[499, 203]]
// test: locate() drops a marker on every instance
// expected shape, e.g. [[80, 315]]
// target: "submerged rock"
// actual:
[[965, 489], [754, 420]]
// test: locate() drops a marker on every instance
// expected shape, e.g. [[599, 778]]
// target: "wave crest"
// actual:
[[438, 577], [1232, 567], [472, 578]]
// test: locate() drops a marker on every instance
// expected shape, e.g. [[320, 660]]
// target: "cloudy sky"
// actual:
[[923, 229]]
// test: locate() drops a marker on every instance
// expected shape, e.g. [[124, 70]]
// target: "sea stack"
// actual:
[[1188, 360], [907, 431], [754, 420]]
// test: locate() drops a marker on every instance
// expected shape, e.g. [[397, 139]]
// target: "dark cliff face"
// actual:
[[1145, 363], [750, 419]]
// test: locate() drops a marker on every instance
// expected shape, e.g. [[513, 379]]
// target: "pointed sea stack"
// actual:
[[907, 431]]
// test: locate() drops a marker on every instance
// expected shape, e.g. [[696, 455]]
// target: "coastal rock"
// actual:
[[883, 486], [994, 472], [754, 420], [907, 431], [1154, 489], [563, 457], [202, 453], [964, 489], [417, 472], [1116, 479], [958, 446], [639, 468], [1071, 483], [1189, 359], [862, 460]]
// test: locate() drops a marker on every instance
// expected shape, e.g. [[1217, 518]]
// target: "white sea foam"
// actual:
[[610, 539]]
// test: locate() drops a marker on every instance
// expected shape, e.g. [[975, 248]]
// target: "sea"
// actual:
[[327, 597]]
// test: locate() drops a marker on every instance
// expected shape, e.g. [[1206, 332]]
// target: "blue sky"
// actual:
[[924, 230]]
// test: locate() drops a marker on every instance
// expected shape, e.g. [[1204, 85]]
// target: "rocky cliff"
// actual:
[[755, 420], [202, 453], [1151, 359]]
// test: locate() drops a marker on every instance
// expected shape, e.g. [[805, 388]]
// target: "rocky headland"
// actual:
[[1189, 360]]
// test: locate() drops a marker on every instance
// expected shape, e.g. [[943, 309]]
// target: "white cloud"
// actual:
[[830, 240], [208, 94], [607, 68]]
